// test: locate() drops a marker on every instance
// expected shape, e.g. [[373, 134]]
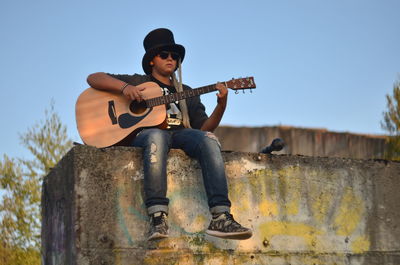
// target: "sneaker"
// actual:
[[158, 226], [224, 226]]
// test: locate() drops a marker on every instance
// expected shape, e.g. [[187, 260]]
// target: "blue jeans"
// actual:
[[203, 146]]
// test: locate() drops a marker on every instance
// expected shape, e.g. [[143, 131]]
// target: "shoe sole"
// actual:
[[156, 236], [232, 235]]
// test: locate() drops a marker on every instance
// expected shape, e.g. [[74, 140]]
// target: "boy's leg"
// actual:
[[156, 145], [205, 147]]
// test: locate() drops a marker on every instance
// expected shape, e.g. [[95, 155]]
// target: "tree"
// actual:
[[20, 181], [391, 123]]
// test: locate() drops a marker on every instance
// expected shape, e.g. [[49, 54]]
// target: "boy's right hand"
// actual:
[[133, 92]]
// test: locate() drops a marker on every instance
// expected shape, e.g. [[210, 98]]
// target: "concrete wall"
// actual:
[[303, 141], [303, 210]]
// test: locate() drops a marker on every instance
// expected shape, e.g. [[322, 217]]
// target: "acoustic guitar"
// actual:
[[106, 118]]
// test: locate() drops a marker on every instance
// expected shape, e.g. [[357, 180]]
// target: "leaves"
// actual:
[[17, 256], [20, 181], [391, 123]]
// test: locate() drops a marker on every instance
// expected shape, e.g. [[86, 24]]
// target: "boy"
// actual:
[[188, 128]]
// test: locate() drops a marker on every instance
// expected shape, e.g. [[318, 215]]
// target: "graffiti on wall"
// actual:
[[290, 209]]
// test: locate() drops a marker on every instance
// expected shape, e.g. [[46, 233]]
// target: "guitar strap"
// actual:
[[182, 103]]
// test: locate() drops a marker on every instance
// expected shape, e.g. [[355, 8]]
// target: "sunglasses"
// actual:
[[164, 55]]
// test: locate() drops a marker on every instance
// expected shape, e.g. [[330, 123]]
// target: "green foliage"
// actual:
[[391, 123], [18, 256], [20, 181]]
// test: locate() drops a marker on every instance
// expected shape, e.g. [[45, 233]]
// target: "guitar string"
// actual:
[[188, 93], [179, 96]]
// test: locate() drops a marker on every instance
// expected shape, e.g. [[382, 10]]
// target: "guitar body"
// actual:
[[105, 118]]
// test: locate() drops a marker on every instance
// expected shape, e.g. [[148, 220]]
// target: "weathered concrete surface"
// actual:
[[302, 141], [303, 210]]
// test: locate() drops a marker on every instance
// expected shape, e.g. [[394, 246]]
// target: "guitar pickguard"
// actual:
[[126, 120]]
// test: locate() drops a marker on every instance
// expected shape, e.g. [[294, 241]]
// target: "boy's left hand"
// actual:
[[222, 93]]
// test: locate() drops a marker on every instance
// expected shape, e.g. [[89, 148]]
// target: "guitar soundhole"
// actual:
[[138, 108]]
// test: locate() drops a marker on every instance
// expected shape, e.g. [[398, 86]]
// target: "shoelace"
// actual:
[[229, 217], [159, 219]]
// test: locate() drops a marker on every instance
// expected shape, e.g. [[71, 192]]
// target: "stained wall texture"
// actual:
[[303, 210], [302, 141]]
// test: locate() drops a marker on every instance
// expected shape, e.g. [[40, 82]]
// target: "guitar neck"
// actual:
[[180, 95]]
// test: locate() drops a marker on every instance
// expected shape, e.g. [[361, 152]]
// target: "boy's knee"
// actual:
[[212, 138]]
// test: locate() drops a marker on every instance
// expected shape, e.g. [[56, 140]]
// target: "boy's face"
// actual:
[[165, 63]]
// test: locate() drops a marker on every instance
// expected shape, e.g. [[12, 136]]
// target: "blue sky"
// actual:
[[317, 64]]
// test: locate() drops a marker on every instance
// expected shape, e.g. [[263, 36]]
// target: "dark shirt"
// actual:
[[196, 109]]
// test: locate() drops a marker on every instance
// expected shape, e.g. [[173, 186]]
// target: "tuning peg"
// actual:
[[243, 91], [236, 92], [251, 91]]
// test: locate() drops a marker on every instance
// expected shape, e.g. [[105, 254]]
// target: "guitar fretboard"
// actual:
[[179, 96]]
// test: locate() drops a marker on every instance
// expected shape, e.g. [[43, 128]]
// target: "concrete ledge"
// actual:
[[303, 210], [303, 141]]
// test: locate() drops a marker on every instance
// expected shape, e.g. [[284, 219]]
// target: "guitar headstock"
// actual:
[[241, 83]]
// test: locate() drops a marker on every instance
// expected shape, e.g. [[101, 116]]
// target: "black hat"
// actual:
[[156, 41]]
